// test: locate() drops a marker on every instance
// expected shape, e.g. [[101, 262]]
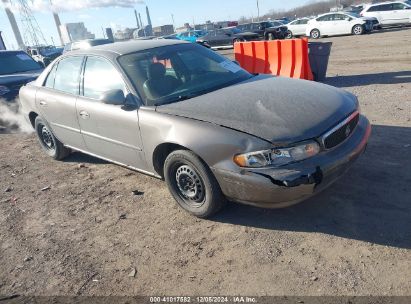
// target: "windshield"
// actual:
[[11, 63], [177, 72]]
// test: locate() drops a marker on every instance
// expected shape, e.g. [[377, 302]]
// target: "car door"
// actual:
[[298, 27], [301, 26], [56, 100], [109, 131], [341, 24], [324, 25], [386, 12], [211, 38], [400, 13], [223, 38]]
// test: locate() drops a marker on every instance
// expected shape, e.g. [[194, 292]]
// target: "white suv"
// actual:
[[389, 13]]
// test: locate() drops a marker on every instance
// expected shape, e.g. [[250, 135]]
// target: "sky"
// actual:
[[118, 14]]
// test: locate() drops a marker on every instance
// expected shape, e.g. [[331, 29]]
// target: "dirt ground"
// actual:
[[86, 227]]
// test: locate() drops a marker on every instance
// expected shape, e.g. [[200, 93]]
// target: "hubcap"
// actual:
[[189, 183], [357, 30], [47, 138]]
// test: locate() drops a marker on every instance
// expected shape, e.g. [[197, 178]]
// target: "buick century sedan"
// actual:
[[211, 130]]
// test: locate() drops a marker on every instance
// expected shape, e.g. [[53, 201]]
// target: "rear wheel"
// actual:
[[50, 144], [271, 36], [192, 184], [357, 29], [315, 34]]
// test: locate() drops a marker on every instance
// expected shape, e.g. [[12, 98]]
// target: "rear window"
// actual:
[[380, 8], [12, 62]]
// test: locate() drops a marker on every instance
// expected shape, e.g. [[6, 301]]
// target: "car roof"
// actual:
[[126, 47], [386, 2]]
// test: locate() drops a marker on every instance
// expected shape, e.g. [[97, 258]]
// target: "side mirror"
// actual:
[[113, 97]]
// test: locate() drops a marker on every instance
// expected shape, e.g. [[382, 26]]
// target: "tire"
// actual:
[[357, 29], [315, 34], [270, 36], [237, 40], [289, 35], [192, 184], [50, 144]]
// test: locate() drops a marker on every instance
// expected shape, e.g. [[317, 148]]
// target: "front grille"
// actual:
[[341, 132]]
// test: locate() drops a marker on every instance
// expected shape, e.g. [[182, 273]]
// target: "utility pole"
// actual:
[[258, 12]]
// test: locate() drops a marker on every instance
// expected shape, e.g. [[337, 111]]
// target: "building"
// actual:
[[74, 32], [163, 30], [125, 34]]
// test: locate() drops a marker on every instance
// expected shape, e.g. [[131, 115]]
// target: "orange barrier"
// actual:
[[278, 57]]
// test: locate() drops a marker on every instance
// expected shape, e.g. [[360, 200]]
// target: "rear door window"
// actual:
[[68, 75], [398, 6], [100, 76], [325, 18], [50, 78]]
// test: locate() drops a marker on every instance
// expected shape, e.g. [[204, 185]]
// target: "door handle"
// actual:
[[84, 114], [42, 103]]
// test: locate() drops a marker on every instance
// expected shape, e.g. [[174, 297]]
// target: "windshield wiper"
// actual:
[[176, 99]]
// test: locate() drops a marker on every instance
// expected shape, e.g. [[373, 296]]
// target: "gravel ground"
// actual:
[[86, 227]]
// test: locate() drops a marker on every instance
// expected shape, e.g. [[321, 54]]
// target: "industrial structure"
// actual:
[[32, 34], [163, 30], [75, 31], [2, 44], [13, 24]]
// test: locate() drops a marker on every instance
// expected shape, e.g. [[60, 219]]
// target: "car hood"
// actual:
[[19, 78], [279, 110]]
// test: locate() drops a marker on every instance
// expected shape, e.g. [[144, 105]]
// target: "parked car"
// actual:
[[213, 131], [266, 30], [44, 54], [191, 36], [337, 24], [297, 28], [85, 44], [389, 13], [226, 37], [356, 9], [16, 69]]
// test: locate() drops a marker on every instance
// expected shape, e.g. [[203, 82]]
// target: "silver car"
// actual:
[[181, 112]]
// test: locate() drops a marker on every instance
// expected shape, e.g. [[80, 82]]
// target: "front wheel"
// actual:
[[192, 184], [50, 144], [357, 29], [289, 35], [315, 34]]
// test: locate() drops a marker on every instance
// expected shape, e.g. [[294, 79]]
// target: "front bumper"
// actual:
[[288, 185]]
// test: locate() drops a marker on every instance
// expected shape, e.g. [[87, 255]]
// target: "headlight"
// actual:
[[4, 90], [277, 157]]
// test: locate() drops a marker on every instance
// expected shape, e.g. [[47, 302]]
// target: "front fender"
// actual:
[[215, 144]]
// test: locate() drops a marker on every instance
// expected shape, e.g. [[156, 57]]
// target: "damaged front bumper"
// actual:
[[287, 185]]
